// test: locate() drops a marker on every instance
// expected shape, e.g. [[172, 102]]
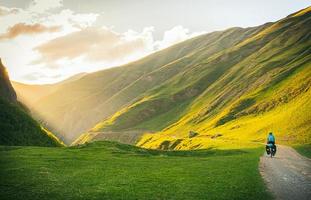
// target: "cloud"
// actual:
[[96, 44], [70, 19], [7, 11], [93, 44], [27, 29], [48, 15], [79, 46], [39, 75], [175, 35], [41, 6]]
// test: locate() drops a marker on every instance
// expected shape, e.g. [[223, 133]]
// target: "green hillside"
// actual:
[[19, 129], [256, 85], [106, 170], [232, 85], [77, 106]]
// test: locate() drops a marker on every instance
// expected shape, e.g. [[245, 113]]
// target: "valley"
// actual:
[[189, 121], [240, 83]]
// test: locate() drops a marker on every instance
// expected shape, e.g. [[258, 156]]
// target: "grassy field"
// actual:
[[107, 170], [304, 150]]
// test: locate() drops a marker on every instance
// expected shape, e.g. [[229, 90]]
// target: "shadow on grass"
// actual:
[[124, 149], [9, 148]]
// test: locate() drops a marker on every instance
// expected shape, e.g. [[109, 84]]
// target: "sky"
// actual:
[[46, 41]]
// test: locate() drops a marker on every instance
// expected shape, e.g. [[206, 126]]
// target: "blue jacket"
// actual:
[[271, 138]]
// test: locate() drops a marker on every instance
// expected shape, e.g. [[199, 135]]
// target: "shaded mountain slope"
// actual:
[[16, 126], [254, 79], [6, 90], [19, 129]]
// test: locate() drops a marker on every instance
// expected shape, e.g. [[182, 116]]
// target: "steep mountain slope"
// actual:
[[238, 93], [16, 126]]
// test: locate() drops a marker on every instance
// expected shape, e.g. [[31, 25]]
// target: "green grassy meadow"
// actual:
[[304, 150], [108, 170]]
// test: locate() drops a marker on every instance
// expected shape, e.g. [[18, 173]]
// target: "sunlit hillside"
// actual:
[[232, 97], [77, 106], [227, 86]]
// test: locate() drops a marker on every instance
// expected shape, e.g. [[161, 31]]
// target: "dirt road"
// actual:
[[287, 175]]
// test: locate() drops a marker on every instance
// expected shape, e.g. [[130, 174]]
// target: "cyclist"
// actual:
[[270, 142]]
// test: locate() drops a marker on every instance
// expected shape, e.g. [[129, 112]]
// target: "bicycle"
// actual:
[[271, 149]]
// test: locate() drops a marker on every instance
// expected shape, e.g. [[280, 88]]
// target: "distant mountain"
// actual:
[[30, 94], [16, 126], [72, 78], [232, 85]]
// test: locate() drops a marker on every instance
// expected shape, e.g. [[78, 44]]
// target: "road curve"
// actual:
[[287, 175]]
